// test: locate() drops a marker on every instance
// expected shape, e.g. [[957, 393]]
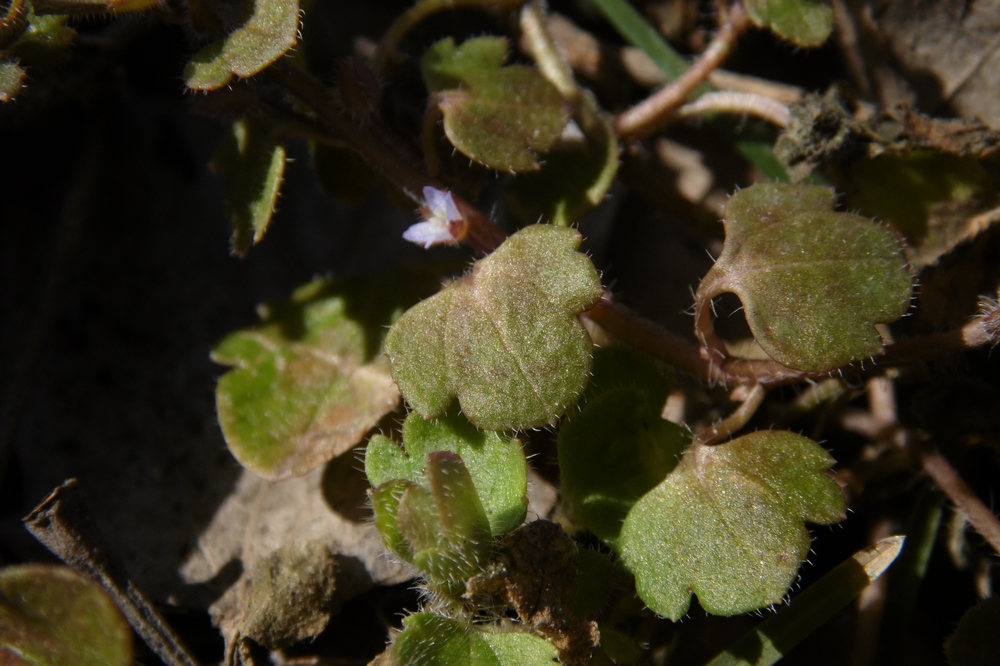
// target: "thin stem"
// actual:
[[741, 103], [62, 524], [732, 423], [983, 330], [959, 492], [651, 114]]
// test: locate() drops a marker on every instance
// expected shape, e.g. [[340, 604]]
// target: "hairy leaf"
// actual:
[[499, 116], [727, 524], [617, 448], [503, 339], [813, 282], [309, 380], [805, 22], [11, 80], [497, 464], [254, 161], [268, 29], [50, 615], [431, 640], [441, 528]]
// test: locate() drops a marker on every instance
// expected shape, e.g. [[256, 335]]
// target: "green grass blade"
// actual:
[[637, 31]]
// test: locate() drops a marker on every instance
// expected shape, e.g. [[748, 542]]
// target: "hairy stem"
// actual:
[[651, 114], [741, 103], [732, 423]]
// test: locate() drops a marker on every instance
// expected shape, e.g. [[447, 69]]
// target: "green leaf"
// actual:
[[499, 116], [574, 180], [727, 524], [443, 529], [309, 381], [776, 636], [267, 30], [497, 464], [432, 640], [617, 448], [805, 22], [632, 26], [51, 616], [503, 339], [813, 282], [254, 161]]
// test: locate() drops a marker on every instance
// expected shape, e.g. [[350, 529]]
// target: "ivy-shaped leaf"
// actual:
[[309, 380], [617, 448], [267, 30], [50, 615], [727, 524], [503, 339], [254, 162], [805, 22], [813, 282], [432, 640], [499, 116], [497, 464]]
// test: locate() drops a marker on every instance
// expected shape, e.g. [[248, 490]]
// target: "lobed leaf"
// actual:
[[813, 282], [309, 380], [805, 22], [430, 640], [499, 116], [267, 30], [727, 524], [503, 339], [50, 615], [497, 464], [618, 447], [254, 162]]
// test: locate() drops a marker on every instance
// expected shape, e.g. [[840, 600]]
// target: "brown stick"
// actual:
[[62, 524]]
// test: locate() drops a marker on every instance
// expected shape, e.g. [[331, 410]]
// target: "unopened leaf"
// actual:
[[432, 640], [51, 616], [496, 463], [440, 528], [813, 282], [254, 161], [268, 29], [499, 116], [805, 22], [617, 448], [309, 380], [727, 524], [503, 339]]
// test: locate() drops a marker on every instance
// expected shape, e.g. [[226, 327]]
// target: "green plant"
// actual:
[[528, 345]]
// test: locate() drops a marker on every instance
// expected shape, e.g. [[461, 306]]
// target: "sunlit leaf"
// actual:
[[727, 524], [499, 116], [309, 380], [269, 28], [254, 162], [617, 448], [805, 22], [432, 640], [52, 616], [503, 339], [813, 282], [496, 463]]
